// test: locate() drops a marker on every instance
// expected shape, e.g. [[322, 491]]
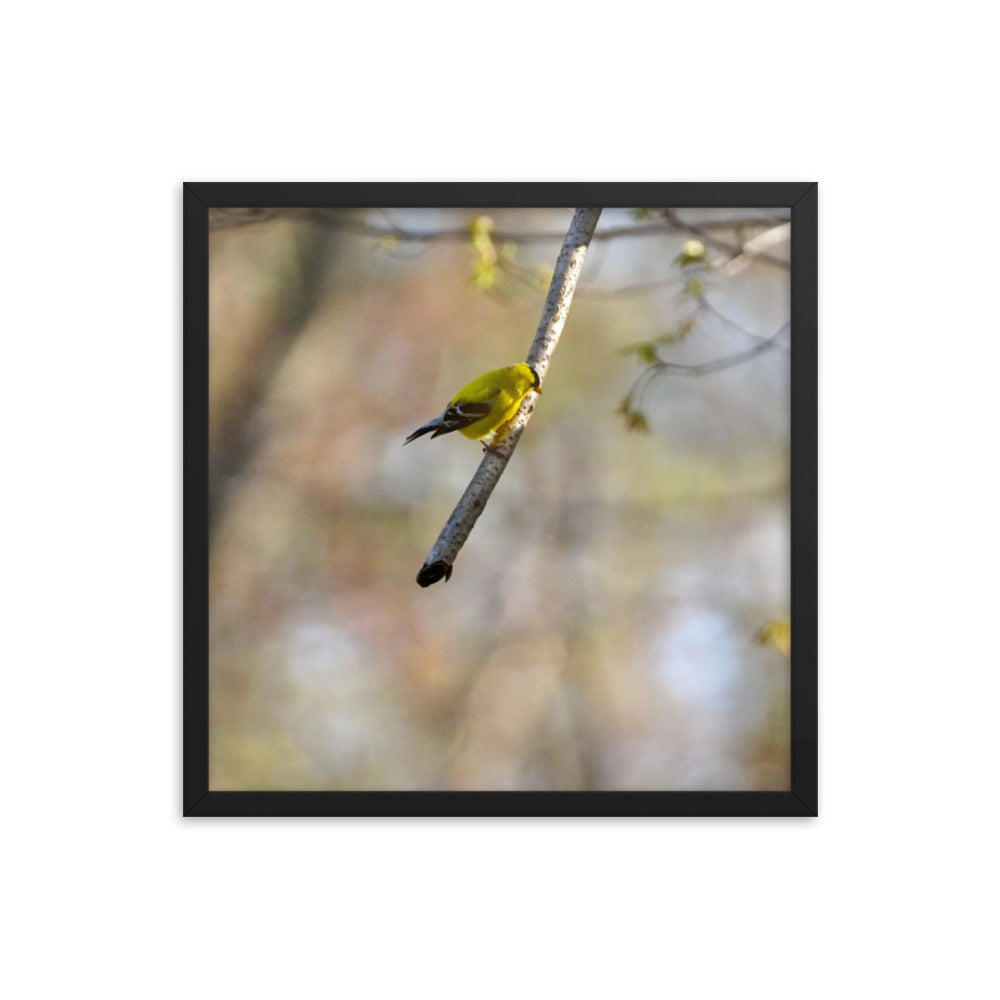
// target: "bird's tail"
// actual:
[[435, 424]]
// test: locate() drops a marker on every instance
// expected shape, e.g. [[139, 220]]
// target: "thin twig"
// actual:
[[729, 361], [226, 218], [707, 306], [645, 378], [735, 253], [442, 556]]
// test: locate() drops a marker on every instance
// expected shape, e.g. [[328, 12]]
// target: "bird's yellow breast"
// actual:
[[503, 389]]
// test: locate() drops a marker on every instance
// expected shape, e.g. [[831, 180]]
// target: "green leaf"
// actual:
[[680, 333], [644, 350], [776, 633], [481, 226], [485, 273], [635, 421], [693, 252]]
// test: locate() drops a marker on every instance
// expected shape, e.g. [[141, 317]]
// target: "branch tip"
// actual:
[[433, 572]]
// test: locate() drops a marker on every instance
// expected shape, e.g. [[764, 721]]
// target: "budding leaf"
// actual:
[[693, 252], [777, 633]]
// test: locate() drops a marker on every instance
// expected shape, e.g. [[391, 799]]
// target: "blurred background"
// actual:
[[618, 618]]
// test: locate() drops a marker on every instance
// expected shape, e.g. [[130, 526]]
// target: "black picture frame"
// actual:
[[801, 800]]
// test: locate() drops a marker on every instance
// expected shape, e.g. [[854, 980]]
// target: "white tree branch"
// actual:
[[568, 266]]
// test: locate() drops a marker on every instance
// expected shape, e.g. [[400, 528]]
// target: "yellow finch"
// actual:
[[484, 405]]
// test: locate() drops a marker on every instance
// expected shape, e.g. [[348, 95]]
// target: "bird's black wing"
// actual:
[[454, 418], [460, 415]]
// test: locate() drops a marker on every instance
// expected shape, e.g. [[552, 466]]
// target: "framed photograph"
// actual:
[[499, 505]]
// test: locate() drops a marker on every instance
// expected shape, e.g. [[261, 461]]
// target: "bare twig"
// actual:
[[632, 410], [442, 556], [729, 361], [227, 218], [341, 219], [735, 254], [753, 249], [707, 306]]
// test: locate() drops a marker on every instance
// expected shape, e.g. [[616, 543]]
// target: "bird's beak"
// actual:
[[538, 390]]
